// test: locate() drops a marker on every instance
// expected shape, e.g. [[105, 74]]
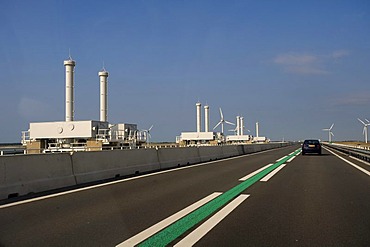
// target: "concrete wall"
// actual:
[[94, 166], [23, 174]]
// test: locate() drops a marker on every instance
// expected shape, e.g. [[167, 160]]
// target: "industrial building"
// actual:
[[88, 135]]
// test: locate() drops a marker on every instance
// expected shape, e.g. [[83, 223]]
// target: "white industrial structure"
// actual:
[[258, 138], [103, 75], [199, 137], [206, 118], [329, 132], [70, 69], [72, 135], [239, 136], [364, 132]]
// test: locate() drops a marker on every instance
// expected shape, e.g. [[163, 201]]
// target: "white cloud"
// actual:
[[353, 99], [339, 54], [308, 64]]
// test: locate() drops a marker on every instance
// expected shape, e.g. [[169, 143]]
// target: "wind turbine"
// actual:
[[148, 135], [365, 127], [222, 121], [330, 132]]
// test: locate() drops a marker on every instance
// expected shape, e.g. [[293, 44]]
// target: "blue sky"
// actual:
[[294, 66]]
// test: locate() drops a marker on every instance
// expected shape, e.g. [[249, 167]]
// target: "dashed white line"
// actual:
[[349, 162], [282, 158], [266, 178], [203, 229], [254, 173], [290, 160], [166, 222]]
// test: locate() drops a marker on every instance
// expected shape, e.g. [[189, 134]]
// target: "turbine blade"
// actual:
[[331, 126], [229, 123], [150, 128], [367, 120], [222, 115], [217, 125], [361, 121], [331, 133]]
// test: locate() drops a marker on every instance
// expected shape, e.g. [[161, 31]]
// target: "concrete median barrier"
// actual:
[[95, 166], [172, 157], [25, 174]]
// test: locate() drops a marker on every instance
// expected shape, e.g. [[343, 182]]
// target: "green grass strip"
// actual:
[[169, 234]]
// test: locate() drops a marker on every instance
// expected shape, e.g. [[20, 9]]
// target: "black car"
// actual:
[[311, 146]]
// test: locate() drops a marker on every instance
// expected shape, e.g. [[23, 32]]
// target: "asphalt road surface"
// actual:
[[273, 198]]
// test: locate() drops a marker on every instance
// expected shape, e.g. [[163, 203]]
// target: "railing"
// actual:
[[363, 154]]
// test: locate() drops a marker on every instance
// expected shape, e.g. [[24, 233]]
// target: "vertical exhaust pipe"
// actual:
[[199, 117], [241, 125], [206, 118], [103, 75], [69, 69]]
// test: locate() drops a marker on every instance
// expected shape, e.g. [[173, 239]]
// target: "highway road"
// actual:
[[272, 198]]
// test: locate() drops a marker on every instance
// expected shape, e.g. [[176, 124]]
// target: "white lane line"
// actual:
[[291, 153], [125, 180], [282, 158], [166, 222], [266, 178], [362, 161], [203, 229], [290, 160], [349, 162], [254, 173]]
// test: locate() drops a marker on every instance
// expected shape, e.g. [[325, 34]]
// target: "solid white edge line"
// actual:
[[349, 162], [166, 222], [282, 158], [254, 173], [271, 174], [203, 229], [125, 180], [360, 160]]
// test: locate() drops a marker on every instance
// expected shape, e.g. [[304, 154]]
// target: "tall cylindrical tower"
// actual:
[[103, 75], [238, 125], [241, 126], [69, 67], [199, 117], [257, 129], [206, 118]]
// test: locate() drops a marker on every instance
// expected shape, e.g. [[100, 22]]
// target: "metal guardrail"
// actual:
[[351, 151]]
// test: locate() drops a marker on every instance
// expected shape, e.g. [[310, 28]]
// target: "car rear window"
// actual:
[[311, 142]]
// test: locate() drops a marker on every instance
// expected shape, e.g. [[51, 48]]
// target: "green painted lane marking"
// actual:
[[169, 234]]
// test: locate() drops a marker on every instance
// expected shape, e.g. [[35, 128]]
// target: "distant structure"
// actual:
[[89, 135], [103, 75], [199, 137], [70, 70], [239, 136], [257, 138]]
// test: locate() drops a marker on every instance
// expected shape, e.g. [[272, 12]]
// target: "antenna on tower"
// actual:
[[103, 66], [69, 54]]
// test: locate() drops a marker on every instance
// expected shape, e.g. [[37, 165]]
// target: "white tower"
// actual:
[[257, 129], [206, 118], [238, 125], [199, 117], [241, 125], [103, 75], [69, 67]]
